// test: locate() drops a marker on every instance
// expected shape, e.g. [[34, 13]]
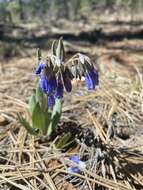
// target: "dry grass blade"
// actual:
[[47, 176], [98, 127], [22, 187], [99, 180]]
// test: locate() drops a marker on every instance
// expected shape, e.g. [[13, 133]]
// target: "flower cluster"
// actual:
[[53, 80], [84, 67], [75, 169], [57, 75], [91, 78]]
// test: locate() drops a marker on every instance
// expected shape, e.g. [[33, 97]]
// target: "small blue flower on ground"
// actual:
[[81, 164], [73, 170], [75, 159]]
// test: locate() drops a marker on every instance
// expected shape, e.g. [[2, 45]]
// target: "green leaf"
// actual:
[[55, 117], [57, 107], [60, 50], [47, 116], [32, 103], [53, 47], [26, 124], [39, 54], [64, 141], [38, 118], [41, 98]]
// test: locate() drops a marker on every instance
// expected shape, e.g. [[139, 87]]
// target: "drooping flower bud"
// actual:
[[91, 79], [51, 101], [59, 90], [40, 67], [67, 84], [44, 83], [67, 77], [52, 84]]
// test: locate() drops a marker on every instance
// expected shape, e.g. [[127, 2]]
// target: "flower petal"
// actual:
[[67, 79], [44, 84], [80, 163], [67, 84], [59, 90], [73, 169], [96, 76], [89, 82], [51, 101], [52, 85], [75, 159], [39, 68], [91, 79]]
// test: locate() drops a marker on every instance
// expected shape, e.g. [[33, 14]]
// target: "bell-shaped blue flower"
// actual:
[[67, 84], [67, 78], [91, 79], [52, 84], [96, 76], [48, 86], [40, 67], [59, 90], [51, 101], [44, 83]]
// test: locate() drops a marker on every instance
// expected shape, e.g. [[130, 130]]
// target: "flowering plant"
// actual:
[[80, 165], [55, 75]]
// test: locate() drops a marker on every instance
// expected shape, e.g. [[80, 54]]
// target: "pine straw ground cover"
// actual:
[[107, 124]]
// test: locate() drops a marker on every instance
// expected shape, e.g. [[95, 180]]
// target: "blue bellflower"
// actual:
[[44, 83], [91, 79], [67, 84], [67, 78], [52, 84], [59, 90], [40, 67], [49, 87], [74, 169], [51, 101]]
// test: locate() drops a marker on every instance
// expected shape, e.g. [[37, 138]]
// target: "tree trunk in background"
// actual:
[[21, 10]]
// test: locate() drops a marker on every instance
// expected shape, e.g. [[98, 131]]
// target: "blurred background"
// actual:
[[28, 24]]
